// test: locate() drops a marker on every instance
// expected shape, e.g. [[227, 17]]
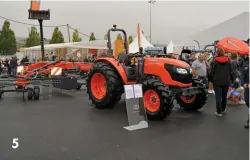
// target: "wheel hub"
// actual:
[[98, 86]]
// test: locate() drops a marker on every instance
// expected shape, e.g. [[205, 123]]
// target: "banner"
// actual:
[[119, 47], [35, 5]]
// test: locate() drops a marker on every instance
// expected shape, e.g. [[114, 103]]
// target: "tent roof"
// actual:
[[97, 44], [237, 27], [133, 47], [170, 47]]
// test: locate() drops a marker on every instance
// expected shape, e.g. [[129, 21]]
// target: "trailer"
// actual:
[[60, 74]]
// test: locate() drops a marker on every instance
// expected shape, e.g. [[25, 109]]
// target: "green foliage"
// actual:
[[119, 37], [105, 37], [92, 37], [57, 36], [76, 36], [130, 39], [33, 39], [7, 40]]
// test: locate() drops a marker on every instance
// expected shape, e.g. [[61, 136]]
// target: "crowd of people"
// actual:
[[10, 64], [222, 73]]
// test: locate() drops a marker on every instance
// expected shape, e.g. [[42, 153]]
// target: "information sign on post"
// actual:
[[137, 118]]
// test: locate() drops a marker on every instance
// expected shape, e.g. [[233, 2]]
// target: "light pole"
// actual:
[[150, 19]]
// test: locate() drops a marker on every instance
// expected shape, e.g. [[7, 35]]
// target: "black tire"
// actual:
[[113, 82], [30, 93], [36, 93], [198, 103], [166, 99]]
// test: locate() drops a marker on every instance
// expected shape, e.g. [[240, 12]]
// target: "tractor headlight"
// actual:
[[181, 71]]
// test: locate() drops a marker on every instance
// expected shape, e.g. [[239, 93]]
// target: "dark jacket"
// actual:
[[236, 69], [245, 72], [221, 72]]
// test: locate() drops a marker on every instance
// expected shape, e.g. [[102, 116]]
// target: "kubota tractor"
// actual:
[[163, 80]]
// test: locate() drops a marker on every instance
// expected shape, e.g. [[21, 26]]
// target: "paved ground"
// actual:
[[69, 128]]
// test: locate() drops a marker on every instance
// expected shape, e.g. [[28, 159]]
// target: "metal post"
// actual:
[[68, 32], [41, 36], [150, 21], [150, 17]]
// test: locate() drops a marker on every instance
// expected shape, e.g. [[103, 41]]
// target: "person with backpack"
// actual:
[[222, 76]]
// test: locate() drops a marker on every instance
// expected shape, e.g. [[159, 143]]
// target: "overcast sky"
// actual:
[[170, 20]]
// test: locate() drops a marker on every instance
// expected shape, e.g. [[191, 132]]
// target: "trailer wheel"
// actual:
[[30, 93], [158, 99], [193, 103], [36, 93], [104, 85]]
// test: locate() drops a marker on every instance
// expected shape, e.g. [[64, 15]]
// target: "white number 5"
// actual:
[[15, 143]]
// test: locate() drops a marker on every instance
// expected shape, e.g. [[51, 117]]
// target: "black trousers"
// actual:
[[221, 97], [246, 96]]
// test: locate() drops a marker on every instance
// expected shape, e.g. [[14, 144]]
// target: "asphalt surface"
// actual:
[[67, 127]]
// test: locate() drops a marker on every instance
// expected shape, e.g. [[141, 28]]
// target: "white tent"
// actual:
[[133, 47], [170, 47], [237, 26]]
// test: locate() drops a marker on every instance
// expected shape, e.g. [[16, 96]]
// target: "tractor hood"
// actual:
[[170, 61]]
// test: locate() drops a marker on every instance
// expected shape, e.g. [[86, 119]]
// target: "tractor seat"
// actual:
[[124, 58]]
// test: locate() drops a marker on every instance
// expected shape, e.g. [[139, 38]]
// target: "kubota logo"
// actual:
[[136, 108]]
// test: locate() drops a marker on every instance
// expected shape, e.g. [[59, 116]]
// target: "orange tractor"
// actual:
[[163, 80]]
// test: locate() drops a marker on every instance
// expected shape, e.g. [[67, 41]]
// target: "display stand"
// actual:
[[137, 118]]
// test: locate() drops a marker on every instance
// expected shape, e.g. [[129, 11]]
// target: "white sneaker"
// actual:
[[218, 114], [210, 91], [242, 102], [225, 111]]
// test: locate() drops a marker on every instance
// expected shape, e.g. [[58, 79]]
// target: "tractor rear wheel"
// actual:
[[158, 99], [104, 85], [193, 103]]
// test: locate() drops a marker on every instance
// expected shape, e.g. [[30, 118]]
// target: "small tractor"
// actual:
[[163, 80]]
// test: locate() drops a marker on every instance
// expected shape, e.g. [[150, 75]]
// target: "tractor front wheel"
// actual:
[[193, 103], [104, 85], [158, 99]]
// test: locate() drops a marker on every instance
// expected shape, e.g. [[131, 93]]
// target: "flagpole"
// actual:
[[150, 17]]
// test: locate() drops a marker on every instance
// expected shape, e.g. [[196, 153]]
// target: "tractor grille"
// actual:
[[182, 78]]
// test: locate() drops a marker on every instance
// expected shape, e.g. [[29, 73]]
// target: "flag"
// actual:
[[139, 35]]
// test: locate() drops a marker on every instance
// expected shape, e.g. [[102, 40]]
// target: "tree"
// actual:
[[57, 36], [92, 37], [119, 37], [130, 39], [76, 36], [33, 39], [7, 39], [105, 37]]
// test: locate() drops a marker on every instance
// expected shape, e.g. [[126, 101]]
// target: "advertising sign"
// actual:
[[35, 5], [137, 118]]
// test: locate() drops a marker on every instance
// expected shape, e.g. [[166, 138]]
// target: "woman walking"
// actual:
[[222, 76]]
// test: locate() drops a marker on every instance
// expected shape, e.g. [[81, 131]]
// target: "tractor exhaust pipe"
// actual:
[[141, 50]]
